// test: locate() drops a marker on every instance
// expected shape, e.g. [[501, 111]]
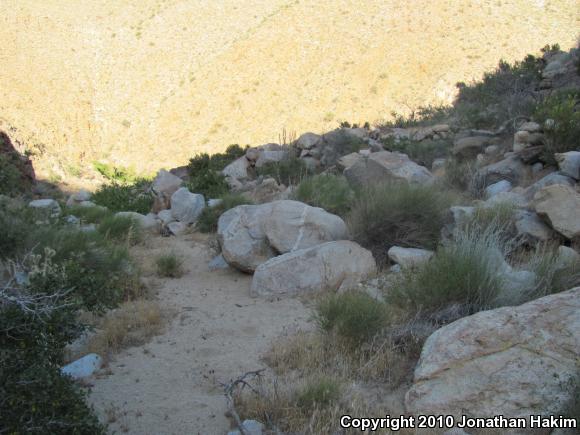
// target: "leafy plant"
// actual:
[[560, 115], [208, 219], [289, 171], [330, 192], [125, 197], [209, 183], [354, 316], [398, 214], [423, 152], [92, 215]]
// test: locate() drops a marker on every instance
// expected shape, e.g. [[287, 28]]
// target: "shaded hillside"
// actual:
[[150, 82]]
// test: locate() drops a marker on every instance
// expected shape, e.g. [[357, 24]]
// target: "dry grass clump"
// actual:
[[132, 324], [398, 214], [169, 265]]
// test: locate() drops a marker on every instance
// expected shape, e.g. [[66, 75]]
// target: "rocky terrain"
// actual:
[[429, 265], [179, 77]]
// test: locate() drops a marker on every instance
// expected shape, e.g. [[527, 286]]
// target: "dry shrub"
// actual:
[[132, 324]]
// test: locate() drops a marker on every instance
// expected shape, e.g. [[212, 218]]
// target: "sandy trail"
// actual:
[[217, 332]]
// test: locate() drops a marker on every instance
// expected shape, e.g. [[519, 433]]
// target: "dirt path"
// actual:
[[217, 332]]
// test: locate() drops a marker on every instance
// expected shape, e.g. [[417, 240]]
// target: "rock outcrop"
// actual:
[[333, 266], [249, 235], [513, 361]]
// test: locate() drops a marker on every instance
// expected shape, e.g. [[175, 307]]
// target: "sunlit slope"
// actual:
[[151, 82]]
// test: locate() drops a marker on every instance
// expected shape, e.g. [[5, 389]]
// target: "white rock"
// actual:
[[218, 262], [531, 228], [166, 183], [513, 198], [251, 234], [513, 361], [387, 166], [267, 156], [560, 205], [238, 169], [531, 127], [568, 256], [147, 223], [50, 206], [166, 216], [177, 228], [80, 196], [214, 202], [252, 427], [335, 266], [569, 164], [186, 206], [495, 188], [409, 257], [308, 140], [83, 367]]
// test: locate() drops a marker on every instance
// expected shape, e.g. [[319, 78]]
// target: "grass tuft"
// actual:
[[169, 265], [330, 192]]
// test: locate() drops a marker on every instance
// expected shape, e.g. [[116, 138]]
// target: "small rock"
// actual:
[[308, 141], [166, 183], [549, 180], [531, 228], [499, 187], [252, 427], [177, 228], [409, 257], [238, 169], [469, 147], [83, 367], [50, 206], [147, 223], [516, 199], [218, 262], [166, 216], [214, 202], [531, 127], [568, 256], [80, 196], [537, 168], [560, 205]]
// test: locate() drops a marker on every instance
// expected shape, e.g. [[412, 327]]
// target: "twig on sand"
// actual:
[[229, 389]]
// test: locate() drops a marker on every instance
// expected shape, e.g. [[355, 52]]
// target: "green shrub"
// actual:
[[209, 183], [125, 197], [560, 115], [354, 316], [398, 214], [115, 174], [422, 116], [11, 181], [91, 215], [208, 219], [36, 322], [290, 171], [465, 272], [205, 171], [501, 95], [319, 393], [121, 229], [423, 152], [330, 192], [169, 266]]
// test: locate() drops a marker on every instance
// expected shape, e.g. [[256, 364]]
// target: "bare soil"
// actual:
[[171, 385]]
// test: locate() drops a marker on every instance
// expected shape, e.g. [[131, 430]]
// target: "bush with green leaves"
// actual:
[[37, 320], [560, 116], [422, 116], [289, 171], [327, 191], [134, 196], [116, 174], [208, 219], [398, 214], [205, 171], [502, 94], [463, 272], [169, 265], [353, 316], [11, 180]]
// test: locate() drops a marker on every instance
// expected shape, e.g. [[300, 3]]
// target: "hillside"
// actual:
[[151, 82]]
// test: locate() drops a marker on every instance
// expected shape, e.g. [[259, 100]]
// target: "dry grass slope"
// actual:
[[150, 82]]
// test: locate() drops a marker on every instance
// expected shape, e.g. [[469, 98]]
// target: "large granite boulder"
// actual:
[[186, 206], [569, 164], [335, 266], [511, 169], [560, 206], [249, 235], [386, 166], [548, 180], [165, 183], [514, 361]]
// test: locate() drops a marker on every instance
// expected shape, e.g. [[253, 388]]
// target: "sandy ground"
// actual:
[[216, 333]]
